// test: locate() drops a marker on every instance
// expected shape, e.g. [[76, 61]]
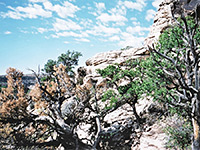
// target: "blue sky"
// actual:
[[33, 31]]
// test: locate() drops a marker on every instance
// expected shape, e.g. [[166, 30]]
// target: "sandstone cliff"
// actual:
[[153, 138]]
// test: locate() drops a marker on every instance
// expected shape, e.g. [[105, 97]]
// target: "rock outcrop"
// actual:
[[162, 20], [153, 136]]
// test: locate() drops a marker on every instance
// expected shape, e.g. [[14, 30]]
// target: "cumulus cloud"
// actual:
[[37, 1], [104, 17], [68, 24], [70, 34], [7, 32], [133, 18], [118, 13], [82, 40], [138, 5], [66, 10], [150, 14], [103, 30], [156, 3], [135, 22], [137, 30], [100, 6], [119, 10], [114, 38], [42, 30], [66, 42], [130, 40], [31, 11], [86, 23]]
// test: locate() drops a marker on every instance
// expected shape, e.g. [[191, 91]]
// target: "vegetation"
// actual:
[[68, 59], [53, 112], [134, 80], [179, 132], [173, 68], [177, 54]]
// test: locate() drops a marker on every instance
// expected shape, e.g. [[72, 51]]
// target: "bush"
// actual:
[[179, 133]]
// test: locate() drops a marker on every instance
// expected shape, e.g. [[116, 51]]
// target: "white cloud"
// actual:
[[34, 10], [7, 32], [100, 6], [114, 38], [66, 10], [104, 17], [48, 5], [119, 9], [135, 22], [42, 30], [86, 23], [137, 30], [31, 11], [103, 30], [138, 5], [119, 24], [68, 24], [133, 19], [82, 40], [37, 1], [150, 14], [66, 42], [118, 13], [156, 3], [130, 40], [70, 34]]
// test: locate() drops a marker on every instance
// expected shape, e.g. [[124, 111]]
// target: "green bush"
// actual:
[[180, 134]]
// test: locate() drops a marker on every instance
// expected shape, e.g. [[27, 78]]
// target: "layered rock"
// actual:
[[153, 136], [162, 20]]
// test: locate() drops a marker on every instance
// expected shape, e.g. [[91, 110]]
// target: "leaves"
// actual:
[[69, 60]]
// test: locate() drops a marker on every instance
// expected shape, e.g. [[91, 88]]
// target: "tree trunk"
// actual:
[[196, 138], [196, 122]]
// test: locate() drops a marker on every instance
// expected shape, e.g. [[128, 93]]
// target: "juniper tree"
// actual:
[[69, 60], [177, 54], [53, 112]]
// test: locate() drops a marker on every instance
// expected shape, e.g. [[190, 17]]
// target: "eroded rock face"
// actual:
[[153, 137], [162, 20], [117, 56]]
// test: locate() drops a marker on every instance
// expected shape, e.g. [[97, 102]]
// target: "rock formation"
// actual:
[[162, 20], [153, 138]]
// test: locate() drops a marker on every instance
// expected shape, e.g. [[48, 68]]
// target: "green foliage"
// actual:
[[110, 94], [1, 86], [173, 37], [177, 54], [139, 76], [179, 135], [69, 60], [48, 67]]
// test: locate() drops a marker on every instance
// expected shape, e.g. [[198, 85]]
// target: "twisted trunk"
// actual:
[[196, 122]]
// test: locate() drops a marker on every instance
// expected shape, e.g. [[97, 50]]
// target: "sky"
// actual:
[[34, 31]]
